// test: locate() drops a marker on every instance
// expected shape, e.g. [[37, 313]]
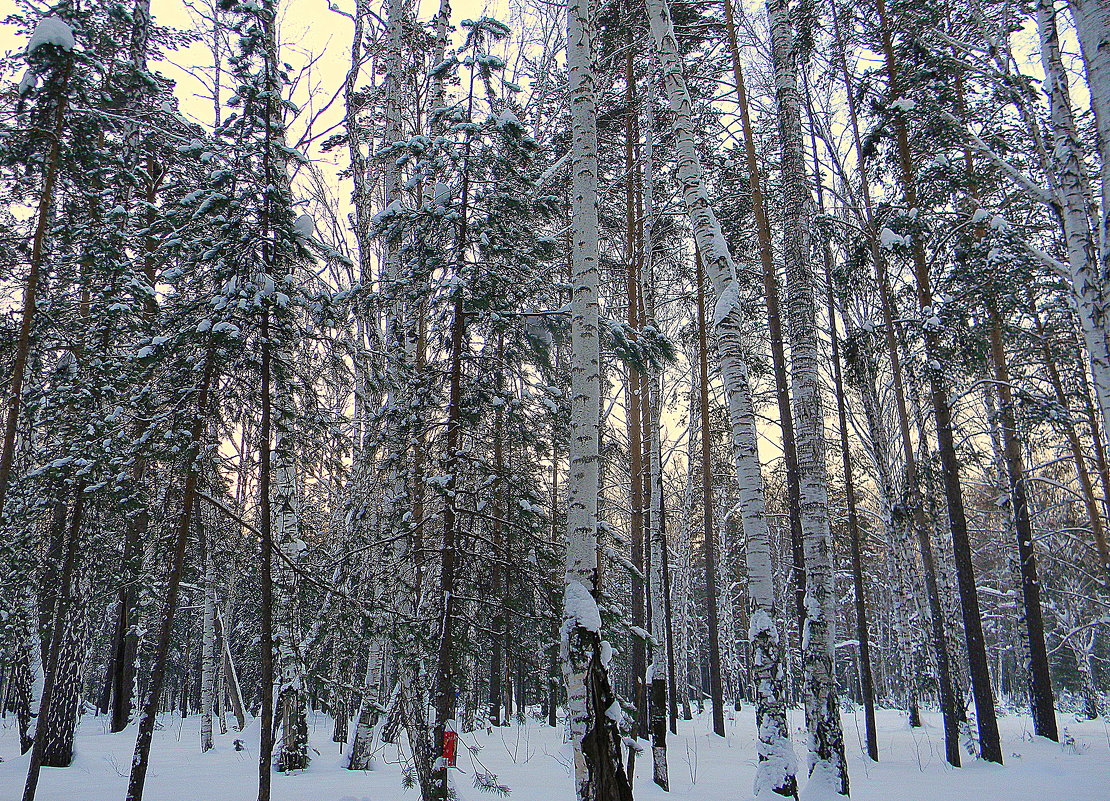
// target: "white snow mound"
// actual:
[[54, 31]]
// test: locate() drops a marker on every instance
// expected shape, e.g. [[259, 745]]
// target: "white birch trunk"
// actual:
[[1072, 198], [597, 764], [292, 696], [208, 650], [657, 538], [1092, 25], [776, 769], [827, 766], [360, 754], [231, 678]]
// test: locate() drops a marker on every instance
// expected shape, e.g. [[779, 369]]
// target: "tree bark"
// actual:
[[774, 328], [709, 544], [1040, 680], [598, 772], [912, 509], [141, 760], [827, 763], [208, 658], [863, 646], [775, 773], [989, 743]]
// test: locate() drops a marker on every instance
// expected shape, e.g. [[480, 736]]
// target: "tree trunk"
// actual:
[[774, 328], [1072, 200], [912, 509], [208, 650], [266, 577], [231, 677], [445, 672], [867, 687], [633, 411], [826, 741], [598, 772], [776, 768], [30, 286], [1092, 25], [1040, 686], [709, 543], [1090, 500], [662, 650], [990, 747], [140, 761], [361, 752]]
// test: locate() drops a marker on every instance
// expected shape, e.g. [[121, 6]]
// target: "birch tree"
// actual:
[[598, 771], [826, 740], [776, 769]]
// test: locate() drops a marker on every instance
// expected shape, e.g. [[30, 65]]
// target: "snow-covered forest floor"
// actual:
[[530, 759]]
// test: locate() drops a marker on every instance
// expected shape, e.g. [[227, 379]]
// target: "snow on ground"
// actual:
[[532, 761]]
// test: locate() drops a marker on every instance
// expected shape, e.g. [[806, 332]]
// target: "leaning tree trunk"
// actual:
[[36, 681], [598, 772], [775, 773], [1083, 475], [863, 374], [61, 613], [31, 284], [230, 676]]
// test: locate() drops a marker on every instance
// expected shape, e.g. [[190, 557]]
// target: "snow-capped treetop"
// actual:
[[51, 31], [28, 82]]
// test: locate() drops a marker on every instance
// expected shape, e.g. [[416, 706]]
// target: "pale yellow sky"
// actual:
[[309, 30]]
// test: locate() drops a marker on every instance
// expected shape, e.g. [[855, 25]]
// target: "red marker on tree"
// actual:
[[450, 744]]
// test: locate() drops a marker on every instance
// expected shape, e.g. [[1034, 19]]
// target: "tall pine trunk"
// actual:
[[989, 743], [911, 510], [1040, 680]]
